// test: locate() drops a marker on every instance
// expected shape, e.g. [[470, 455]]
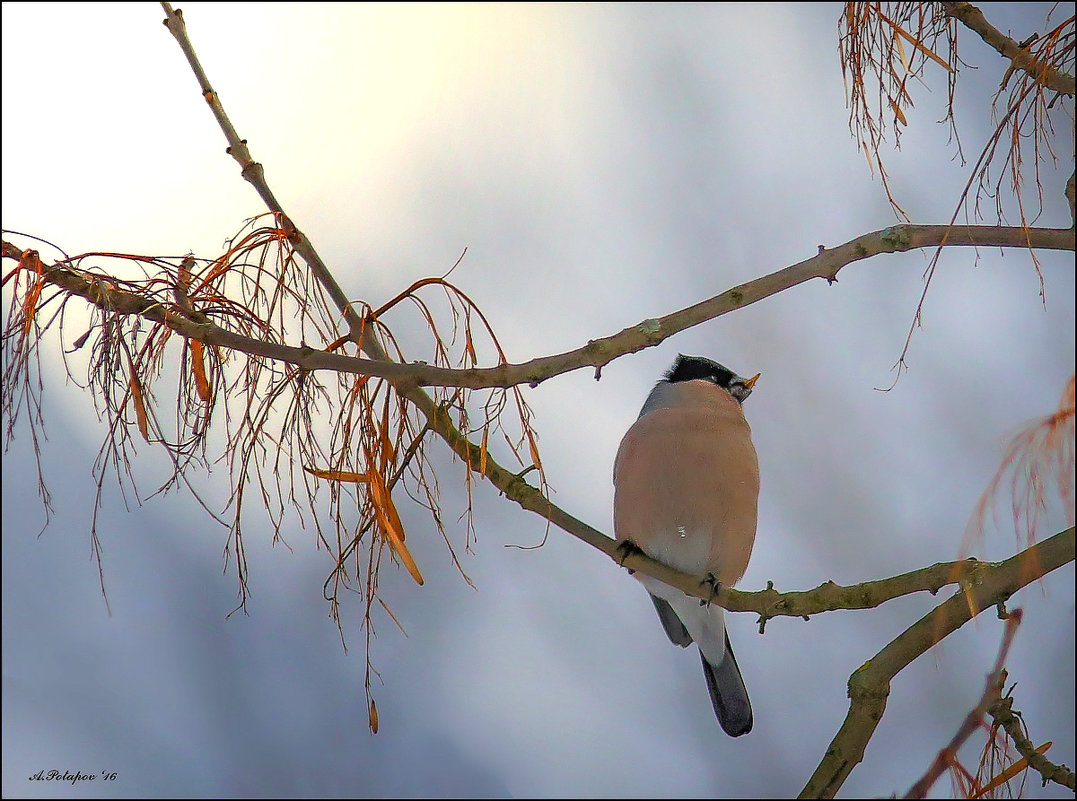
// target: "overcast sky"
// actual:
[[603, 165]]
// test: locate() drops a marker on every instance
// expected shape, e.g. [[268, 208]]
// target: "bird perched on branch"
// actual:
[[686, 489]]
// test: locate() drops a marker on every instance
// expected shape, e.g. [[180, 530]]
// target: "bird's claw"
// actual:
[[715, 585], [627, 548]]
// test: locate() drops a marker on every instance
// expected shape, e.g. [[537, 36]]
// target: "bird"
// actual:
[[686, 493]]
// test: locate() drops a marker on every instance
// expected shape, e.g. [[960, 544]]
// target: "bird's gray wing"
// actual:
[[675, 630]]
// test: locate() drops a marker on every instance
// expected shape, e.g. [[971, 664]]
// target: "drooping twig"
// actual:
[[991, 694]]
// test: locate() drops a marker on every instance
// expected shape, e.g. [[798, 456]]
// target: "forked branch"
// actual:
[[869, 686]]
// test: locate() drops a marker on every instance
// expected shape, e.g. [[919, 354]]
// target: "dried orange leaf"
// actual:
[[1017, 767], [389, 522], [916, 43], [373, 714], [534, 449], [482, 449], [898, 112], [469, 346], [388, 452], [29, 305], [392, 536], [31, 260], [338, 475], [383, 503], [140, 405], [198, 367], [901, 54], [390, 509]]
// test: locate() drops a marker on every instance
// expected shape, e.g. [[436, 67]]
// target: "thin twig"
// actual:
[[991, 694], [1006, 716]]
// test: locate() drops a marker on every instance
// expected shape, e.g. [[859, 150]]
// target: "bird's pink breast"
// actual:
[[687, 484]]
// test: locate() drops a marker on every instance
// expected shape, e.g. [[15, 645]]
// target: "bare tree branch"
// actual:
[[973, 19], [869, 686], [597, 352], [254, 173]]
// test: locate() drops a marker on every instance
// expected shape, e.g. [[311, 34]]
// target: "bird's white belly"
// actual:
[[684, 548]]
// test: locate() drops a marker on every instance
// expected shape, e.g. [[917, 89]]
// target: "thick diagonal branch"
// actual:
[[869, 686], [973, 19]]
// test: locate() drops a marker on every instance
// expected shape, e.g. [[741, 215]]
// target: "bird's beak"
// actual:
[[751, 381]]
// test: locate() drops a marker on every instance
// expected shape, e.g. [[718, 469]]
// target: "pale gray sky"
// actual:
[[603, 165]]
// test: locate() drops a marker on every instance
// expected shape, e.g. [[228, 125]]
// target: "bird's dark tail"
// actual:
[[728, 693]]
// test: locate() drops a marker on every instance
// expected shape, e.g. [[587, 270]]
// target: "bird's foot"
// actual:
[[715, 587], [627, 548]]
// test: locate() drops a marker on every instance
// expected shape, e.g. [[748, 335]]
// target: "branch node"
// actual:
[[896, 237], [650, 328]]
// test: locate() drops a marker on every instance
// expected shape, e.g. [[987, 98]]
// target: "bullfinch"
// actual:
[[686, 490]]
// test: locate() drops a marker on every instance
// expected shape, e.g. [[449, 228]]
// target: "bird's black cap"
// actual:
[[691, 368], [700, 368]]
